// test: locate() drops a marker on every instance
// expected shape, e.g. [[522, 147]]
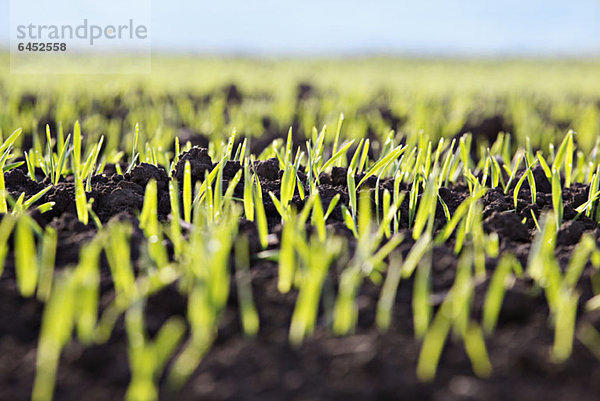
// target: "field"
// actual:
[[228, 229]]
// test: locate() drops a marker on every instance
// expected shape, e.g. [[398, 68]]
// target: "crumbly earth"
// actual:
[[366, 365]]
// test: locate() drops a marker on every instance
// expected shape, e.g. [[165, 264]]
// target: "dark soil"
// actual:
[[367, 365]]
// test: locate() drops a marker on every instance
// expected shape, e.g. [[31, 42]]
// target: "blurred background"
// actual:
[[335, 27]]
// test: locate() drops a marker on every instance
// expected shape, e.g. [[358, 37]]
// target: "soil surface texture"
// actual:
[[367, 365]]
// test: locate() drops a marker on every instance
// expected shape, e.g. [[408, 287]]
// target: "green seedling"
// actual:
[[387, 297], [187, 192], [148, 358], [26, 263], [6, 228], [316, 258], [501, 279], [557, 201], [150, 225], [47, 259], [248, 314]]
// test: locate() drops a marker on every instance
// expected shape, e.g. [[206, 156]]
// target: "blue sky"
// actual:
[[336, 27]]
